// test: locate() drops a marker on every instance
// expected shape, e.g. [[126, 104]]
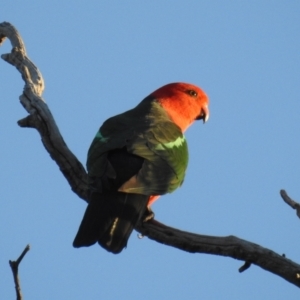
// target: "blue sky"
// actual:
[[100, 58]]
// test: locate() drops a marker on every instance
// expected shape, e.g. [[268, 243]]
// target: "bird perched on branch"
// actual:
[[134, 158]]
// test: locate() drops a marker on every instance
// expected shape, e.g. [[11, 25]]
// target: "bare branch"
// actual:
[[15, 268], [293, 204], [230, 246], [41, 118]]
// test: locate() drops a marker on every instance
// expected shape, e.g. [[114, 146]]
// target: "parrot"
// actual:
[[136, 157]]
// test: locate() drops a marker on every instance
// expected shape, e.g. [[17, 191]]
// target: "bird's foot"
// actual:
[[148, 215]]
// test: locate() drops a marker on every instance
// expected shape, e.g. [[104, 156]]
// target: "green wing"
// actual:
[[113, 134], [166, 157], [146, 131]]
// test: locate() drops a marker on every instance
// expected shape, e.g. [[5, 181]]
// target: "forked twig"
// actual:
[[14, 265]]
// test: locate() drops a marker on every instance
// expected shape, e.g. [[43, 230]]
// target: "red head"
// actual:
[[184, 102]]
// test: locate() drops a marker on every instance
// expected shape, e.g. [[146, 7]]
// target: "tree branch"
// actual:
[[40, 116], [15, 268], [293, 204], [225, 246], [41, 119]]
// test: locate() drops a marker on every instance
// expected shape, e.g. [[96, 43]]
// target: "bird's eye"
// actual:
[[192, 93]]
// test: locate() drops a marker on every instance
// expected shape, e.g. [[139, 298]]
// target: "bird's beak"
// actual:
[[204, 115]]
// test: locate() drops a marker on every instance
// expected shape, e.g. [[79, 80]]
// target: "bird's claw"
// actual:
[[148, 215]]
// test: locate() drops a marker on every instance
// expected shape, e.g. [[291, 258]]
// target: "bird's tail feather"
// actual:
[[109, 220]]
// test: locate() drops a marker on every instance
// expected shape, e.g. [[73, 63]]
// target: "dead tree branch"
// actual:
[[42, 120], [293, 204], [15, 269], [230, 246], [40, 116]]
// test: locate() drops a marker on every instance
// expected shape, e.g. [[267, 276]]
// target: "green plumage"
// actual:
[[135, 157], [146, 131]]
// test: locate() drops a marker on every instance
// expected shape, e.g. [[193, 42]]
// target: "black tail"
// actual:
[[109, 220]]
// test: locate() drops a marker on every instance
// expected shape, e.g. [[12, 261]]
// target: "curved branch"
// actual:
[[40, 116], [41, 119], [293, 204], [230, 246]]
